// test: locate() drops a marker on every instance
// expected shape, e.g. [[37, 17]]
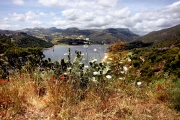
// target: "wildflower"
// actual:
[[65, 73], [139, 83], [95, 73], [121, 78], [7, 115], [45, 100], [129, 59], [69, 68], [63, 77], [168, 84], [3, 81], [20, 76], [86, 66], [1, 114], [125, 68], [94, 79], [122, 72], [53, 79], [95, 50], [159, 87], [34, 86], [108, 76], [94, 60]]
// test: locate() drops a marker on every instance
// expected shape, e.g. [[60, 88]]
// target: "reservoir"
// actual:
[[89, 52]]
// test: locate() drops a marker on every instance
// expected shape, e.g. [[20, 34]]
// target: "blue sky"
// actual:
[[140, 16]]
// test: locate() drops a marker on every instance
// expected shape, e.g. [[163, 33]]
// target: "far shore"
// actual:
[[68, 45]]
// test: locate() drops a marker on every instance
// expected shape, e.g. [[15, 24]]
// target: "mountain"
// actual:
[[109, 35], [163, 38]]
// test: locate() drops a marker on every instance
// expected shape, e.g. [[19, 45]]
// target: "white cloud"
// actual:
[[72, 14], [52, 14], [36, 23], [42, 14], [6, 20], [18, 17], [18, 2], [121, 13], [107, 3], [88, 16], [31, 16]]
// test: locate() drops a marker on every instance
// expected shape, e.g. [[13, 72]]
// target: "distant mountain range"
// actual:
[[110, 35]]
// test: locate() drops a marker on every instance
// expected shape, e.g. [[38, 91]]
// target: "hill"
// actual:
[[163, 38], [20, 39]]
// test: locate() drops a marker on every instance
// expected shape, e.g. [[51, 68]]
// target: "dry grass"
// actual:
[[21, 98]]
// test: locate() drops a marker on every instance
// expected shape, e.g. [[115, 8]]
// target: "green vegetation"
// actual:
[[30, 41]]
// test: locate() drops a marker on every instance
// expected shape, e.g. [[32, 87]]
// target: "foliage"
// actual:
[[5, 43], [117, 47], [30, 41]]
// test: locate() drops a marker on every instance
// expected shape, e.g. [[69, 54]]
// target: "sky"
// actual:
[[140, 16]]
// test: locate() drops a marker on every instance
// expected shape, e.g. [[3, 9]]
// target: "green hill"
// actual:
[[163, 38]]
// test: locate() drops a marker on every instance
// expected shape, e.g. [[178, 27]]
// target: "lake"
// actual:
[[93, 51]]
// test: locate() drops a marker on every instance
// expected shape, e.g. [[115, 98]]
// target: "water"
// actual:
[[58, 52]]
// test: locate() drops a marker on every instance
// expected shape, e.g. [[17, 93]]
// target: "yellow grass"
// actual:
[[22, 99]]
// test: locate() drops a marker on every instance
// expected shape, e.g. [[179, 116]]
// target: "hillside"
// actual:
[[97, 36], [9, 39], [164, 37]]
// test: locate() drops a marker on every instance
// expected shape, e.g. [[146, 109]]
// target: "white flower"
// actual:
[[129, 59], [94, 79], [125, 68], [95, 73], [85, 46], [108, 76], [86, 66], [122, 72], [121, 78], [69, 68], [94, 60], [139, 83], [95, 49]]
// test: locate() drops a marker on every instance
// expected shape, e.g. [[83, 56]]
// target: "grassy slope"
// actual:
[[27, 96]]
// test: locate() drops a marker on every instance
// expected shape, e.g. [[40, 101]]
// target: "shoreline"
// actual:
[[70, 45]]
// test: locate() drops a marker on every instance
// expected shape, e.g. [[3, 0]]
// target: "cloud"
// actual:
[[18, 17], [121, 13], [42, 14], [107, 3], [36, 23], [88, 16], [30, 16], [72, 14], [6, 20], [18, 2]]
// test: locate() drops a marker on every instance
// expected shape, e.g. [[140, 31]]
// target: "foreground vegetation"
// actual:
[[127, 85]]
